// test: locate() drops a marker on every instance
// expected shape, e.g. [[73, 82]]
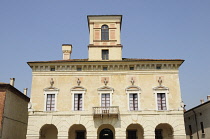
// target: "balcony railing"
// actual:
[[112, 111]]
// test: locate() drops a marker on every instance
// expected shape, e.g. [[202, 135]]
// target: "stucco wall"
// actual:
[[117, 80], [15, 117], [200, 114]]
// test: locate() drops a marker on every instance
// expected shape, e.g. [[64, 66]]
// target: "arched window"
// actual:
[[104, 32]]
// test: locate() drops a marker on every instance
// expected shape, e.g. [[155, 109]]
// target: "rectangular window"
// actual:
[[133, 102], [77, 102], [131, 68], [105, 54], [202, 128], [79, 69], [190, 129], [105, 68], [105, 100], [161, 101], [158, 66], [50, 103]]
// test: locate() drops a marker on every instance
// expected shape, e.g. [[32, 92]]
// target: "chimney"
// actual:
[[25, 91], [208, 98], [202, 101], [12, 81], [67, 49]]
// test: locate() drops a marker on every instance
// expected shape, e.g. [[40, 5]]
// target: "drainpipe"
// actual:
[[196, 122]]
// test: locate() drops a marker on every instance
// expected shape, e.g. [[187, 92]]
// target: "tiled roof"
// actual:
[[86, 60], [6, 86]]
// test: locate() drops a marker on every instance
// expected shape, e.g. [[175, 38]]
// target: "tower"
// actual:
[[104, 37]]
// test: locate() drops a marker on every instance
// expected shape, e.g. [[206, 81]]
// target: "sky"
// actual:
[[34, 30]]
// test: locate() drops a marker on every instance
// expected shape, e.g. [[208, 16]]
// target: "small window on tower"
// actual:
[[104, 32], [105, 54]]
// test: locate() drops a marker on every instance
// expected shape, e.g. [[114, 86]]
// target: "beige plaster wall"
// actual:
[[15, 117], [118, 81]]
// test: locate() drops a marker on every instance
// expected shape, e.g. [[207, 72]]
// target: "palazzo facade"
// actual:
[[105, 96]]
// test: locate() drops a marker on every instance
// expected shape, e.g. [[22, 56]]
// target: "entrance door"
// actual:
[[106, 134], [132, 134], [80, 135], [158, 134]]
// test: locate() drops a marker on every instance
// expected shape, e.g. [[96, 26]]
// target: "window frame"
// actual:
[[79, 91], [133, 90], [78, 103], [202, 128], [105, 90], [105, 56], [163, 90], [104, 33], [105, 100], [50, 92]]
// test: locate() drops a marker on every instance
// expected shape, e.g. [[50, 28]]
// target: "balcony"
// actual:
[[112, 111]]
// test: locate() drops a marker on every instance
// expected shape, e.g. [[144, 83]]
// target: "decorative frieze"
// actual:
[[108, 67]]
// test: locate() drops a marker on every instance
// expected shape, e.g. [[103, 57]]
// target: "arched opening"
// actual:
[[164, 131], [106, 131], [77, 131], [134, 131], [104, 32], [48, 131]]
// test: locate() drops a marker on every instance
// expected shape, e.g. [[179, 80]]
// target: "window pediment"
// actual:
[[160, 87], [78, 88], [105, 88], [133, 88], [51, 89]]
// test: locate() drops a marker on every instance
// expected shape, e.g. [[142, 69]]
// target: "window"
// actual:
[[78, 99], [52, 68], [202, 128], [79, 69], [131, 68], [50, 103], [190, 129], [161, 101], [77, 102], [158, 66], [131, 134], [133, 97], [105, 54], [104, 32], [133, 102], [105, 68], [161, 97], [105, 100]]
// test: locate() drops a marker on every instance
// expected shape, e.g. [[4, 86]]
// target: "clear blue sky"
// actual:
[[34, 30]]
